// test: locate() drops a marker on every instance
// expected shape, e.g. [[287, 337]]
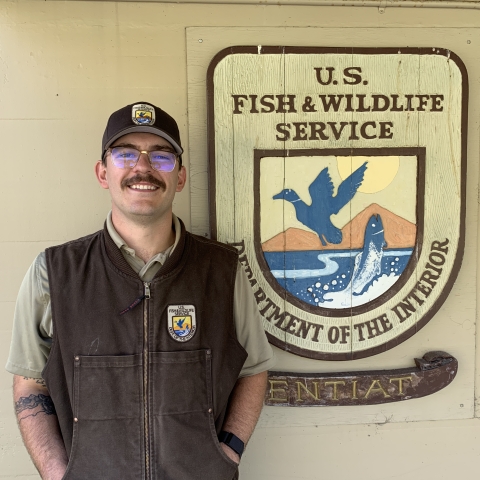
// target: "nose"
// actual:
[[143, 164]]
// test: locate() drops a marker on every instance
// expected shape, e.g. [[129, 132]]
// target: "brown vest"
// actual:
[[132, 401]]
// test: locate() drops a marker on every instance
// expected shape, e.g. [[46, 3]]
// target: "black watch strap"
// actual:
[[232, 441]]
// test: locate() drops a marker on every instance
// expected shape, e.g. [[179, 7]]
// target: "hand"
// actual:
[[230, 453]]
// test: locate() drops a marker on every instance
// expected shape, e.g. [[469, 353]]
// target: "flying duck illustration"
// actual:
[[180, 323], [317, 215]]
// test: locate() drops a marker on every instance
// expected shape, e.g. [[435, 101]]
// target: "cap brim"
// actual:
[[144, 129]]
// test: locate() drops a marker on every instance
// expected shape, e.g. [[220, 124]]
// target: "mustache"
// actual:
[[144, 178]]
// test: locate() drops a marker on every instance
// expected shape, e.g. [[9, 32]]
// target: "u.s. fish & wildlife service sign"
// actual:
[[339, 174]]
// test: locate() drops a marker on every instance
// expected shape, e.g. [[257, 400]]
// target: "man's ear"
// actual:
[[182, 179], [101, 174]]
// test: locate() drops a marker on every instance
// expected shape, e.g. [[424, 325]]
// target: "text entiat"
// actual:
[[433, 372]]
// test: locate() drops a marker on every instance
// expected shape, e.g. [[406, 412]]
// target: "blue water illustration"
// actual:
[[183, 333], [338, 278]]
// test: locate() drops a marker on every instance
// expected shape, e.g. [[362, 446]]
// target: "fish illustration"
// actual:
[[316, 216], [368, 263]]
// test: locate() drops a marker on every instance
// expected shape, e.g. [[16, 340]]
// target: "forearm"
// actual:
[[245, 406], [38, 425]]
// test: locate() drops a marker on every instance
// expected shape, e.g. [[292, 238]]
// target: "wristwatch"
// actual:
[[232, 441]]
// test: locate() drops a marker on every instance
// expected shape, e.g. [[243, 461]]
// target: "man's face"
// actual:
[[141, 193]]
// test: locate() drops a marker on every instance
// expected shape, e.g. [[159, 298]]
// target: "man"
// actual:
[[154, 342]]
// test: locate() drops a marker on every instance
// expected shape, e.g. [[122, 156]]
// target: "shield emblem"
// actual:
[[143, 117], [337, 232], [182, 325]]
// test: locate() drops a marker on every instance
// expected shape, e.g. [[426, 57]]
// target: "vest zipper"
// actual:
[[145, 379]]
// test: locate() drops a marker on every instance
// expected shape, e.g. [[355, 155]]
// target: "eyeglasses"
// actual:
[[126, 157]]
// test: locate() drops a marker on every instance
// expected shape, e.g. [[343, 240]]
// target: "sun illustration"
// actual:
[[379, 174]]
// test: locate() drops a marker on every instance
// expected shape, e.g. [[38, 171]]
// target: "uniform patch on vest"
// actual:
[[181, 322]]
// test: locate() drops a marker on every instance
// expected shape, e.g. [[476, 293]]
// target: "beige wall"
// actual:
[[64, 66]]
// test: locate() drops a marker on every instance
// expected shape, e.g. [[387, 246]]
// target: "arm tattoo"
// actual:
[[38, 381], [33, 401]]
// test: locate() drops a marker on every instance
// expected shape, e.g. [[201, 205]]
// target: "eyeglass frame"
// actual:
[[177, 157]]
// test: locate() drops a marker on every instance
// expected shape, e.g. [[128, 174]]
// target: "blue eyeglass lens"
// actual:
[[162, 161], [124, 157]]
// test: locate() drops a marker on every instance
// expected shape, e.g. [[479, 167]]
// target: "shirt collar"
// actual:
[[121, 244]]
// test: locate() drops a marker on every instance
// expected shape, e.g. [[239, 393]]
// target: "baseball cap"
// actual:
[[141, 117]]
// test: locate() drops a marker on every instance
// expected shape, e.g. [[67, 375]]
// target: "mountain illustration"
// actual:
[[399, 233]]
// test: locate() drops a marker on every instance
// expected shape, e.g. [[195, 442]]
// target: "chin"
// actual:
[[146, 212]]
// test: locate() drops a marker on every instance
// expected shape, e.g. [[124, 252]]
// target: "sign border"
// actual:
[[255, 49]]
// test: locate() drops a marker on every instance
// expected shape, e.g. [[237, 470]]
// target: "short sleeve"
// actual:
[[249, 328], [32, 324]]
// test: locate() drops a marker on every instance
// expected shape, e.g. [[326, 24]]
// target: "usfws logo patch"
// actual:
[[143, 114], [182, 324], [340, 176]]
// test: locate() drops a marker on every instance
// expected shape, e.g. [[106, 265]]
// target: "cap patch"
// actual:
[[182, 323], [143, 114]]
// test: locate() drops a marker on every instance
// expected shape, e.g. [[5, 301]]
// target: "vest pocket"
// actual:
[[108, 421], [185, 444]]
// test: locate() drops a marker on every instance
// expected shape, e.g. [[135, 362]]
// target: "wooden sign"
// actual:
[[339, 174], [433, 372]]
